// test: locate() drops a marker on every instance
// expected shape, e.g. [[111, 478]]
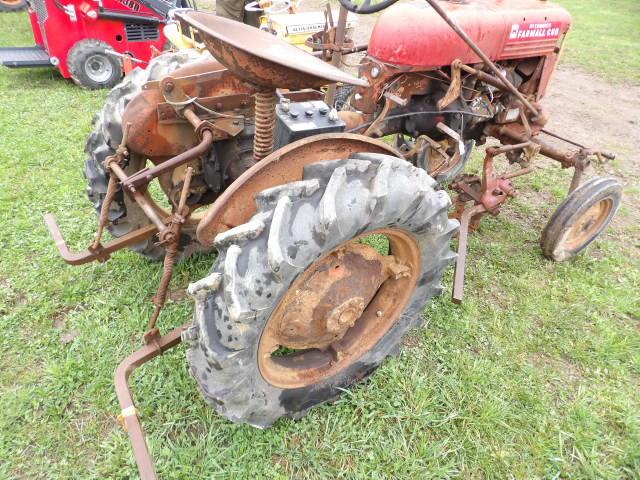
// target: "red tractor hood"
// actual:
[[415, 35]]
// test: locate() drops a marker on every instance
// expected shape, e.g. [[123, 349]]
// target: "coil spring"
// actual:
[[265, 124]]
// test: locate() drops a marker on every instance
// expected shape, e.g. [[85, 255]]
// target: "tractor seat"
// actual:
[[262, 59]]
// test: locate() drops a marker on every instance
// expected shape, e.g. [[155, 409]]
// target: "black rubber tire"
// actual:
[[77, 61], [571, 209], [335, 201], [125, 215], [341, 100], [13, 7]]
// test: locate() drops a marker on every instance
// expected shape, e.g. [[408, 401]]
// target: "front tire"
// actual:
[[581, 218], [298, 225], [91, 67]]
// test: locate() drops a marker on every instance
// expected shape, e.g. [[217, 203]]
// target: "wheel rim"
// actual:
[[98, 68], [437, 164], [338, 309], [588, 225]]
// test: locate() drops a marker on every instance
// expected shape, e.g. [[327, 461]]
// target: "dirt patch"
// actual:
[[561, 374], [59, 319]]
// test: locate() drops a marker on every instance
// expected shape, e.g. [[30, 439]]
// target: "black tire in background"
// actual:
[[12, 5], [296, 224], [91, 67], [124, 214]]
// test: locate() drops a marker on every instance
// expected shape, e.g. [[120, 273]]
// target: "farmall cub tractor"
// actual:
[[250, 162]]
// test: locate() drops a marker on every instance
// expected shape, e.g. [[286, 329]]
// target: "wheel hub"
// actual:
[[588, 224], [98, 68], [336, 291], [337, 310]]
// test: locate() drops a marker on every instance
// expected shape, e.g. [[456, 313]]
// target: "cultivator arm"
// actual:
[[521, 139]]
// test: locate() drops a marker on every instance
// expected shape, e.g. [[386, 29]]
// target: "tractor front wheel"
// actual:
[[581, 218], [299, 304]]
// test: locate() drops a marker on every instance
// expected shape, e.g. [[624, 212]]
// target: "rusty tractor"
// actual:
[[241, 153]]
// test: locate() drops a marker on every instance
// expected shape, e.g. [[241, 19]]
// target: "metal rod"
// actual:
[[517, 173], [458, 282], [146, 175], [576, 179], [506, 134], [485, 77], [336, 57], [346, 51], [607, 155], [462, 34], [129, 414], [86, 256], [139, 198]]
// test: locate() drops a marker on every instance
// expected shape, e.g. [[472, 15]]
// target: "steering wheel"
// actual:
[[367, 6], [274, 8]]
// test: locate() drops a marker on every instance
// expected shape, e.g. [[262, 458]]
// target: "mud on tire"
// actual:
[[124, 214], [296, 224]]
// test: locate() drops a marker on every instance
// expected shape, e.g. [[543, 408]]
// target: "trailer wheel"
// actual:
[[125, 215], [297, 305], [581, 218], [12, 5], [91, 67]]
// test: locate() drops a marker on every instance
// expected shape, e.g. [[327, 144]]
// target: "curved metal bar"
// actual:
[[129, 416]]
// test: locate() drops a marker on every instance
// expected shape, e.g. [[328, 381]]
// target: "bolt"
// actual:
[[379, 313], [375, 71], [168, 87]]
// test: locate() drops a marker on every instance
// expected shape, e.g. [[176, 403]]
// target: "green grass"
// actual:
[[536, 375], [605, 38]]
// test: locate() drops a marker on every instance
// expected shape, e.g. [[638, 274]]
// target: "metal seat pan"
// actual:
[[262, 59]]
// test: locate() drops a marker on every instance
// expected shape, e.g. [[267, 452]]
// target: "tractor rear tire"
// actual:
[[124, 214], [581, 218], [296, 226], [91, 67]]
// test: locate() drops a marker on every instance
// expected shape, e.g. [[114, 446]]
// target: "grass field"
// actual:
[[536, 375]]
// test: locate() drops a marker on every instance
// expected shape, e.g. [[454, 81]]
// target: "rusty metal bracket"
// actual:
[[458, 281], [102, 254], [483, 56], [455, 87], [129, 416]]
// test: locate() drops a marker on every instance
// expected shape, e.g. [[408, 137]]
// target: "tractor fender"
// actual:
[[237, 204]]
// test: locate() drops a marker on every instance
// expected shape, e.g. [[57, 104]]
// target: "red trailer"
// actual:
[[86, 39]]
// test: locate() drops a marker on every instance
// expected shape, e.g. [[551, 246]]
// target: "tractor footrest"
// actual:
[[23, 57]]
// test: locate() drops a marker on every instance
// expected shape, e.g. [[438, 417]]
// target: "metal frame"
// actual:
[[129, 416]]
